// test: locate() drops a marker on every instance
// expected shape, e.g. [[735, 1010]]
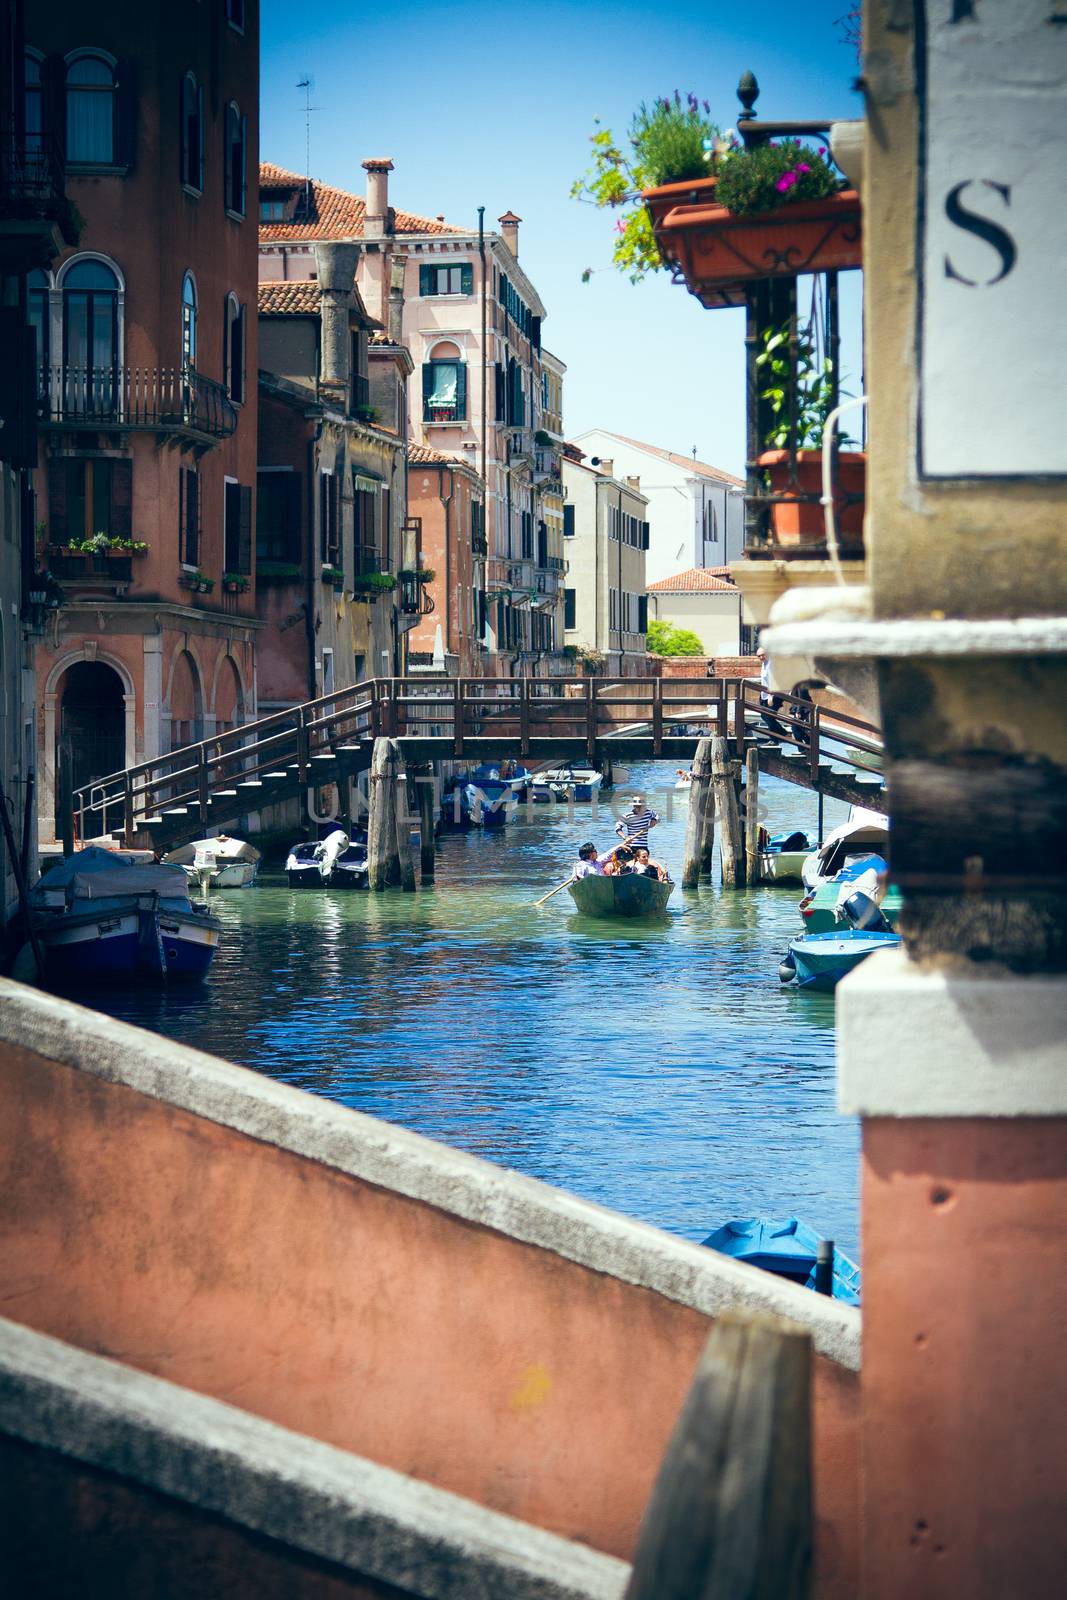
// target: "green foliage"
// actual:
[[373, 583], [668, 143], [278, 570], [665, 639], [102, 544], [770, 176], [811, 381]]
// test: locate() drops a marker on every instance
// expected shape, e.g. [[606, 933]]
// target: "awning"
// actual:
[[370, 485]]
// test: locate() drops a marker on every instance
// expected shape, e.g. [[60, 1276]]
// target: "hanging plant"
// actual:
[[770, 176], [809, 381]]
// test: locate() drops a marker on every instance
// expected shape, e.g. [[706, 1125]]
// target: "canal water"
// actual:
[[658, 1069]]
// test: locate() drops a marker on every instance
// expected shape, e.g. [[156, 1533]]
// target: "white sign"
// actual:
[[993, 239]]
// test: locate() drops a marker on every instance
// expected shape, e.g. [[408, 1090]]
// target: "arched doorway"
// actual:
[[229, 698], [186, 703], [92, 716]]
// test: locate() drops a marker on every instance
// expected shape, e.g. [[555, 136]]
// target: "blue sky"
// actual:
[[488, 104]]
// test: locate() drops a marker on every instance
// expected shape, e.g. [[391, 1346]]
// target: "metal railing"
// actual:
[[165, 399], [31, 175]]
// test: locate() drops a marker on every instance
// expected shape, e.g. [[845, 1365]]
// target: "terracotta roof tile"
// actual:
[[697, 580], [297, 298], [701, 468], [423, 456], [336, 214]]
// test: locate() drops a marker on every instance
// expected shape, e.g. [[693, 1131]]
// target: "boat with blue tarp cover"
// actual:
[[787, 1247]]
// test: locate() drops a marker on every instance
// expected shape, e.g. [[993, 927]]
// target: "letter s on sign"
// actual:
[[994, 235]]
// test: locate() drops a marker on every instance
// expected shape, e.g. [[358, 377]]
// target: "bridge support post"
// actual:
[[700, 826], [383, 864], [752, 872], [733, 870]]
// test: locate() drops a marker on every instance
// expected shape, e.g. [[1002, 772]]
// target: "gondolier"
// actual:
[[636, 823]]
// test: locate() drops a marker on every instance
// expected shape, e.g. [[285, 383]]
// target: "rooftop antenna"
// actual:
[[307, 84], [694, 452]]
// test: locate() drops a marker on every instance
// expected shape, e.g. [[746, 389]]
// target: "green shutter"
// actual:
[[427, 387], [427, 279], [467, 278], [461, 393]]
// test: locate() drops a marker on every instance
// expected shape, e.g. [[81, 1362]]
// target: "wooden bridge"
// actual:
[[179, 796]]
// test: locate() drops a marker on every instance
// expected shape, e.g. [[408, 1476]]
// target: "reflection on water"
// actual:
[[657, 1068]]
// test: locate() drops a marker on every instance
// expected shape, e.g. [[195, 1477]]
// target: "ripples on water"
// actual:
[[658, 1069]]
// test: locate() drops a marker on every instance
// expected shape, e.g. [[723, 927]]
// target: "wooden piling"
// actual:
[[65, 791], [733, 866], [383, 866], [424, 785], [707, 834], [402, 825], [752, 864], [701, 796]]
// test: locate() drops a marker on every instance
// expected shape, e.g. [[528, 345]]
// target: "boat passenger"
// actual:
[[622, 861], [589, 863], [645, 867], [635, 824]]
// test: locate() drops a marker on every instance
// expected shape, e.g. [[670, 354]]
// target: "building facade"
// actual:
[[707, 603], [696, 512], [605, 532], [146, 376], [446, 511]]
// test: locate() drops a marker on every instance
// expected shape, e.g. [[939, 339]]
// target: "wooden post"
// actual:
[[700, 797], [383, 867], [730, 1516], [752, 868], [733, 867], [707, 834], [657, 717], [402, 825], [590, 719], [524, 716], [424, 785], [65, 793], [457, 718]]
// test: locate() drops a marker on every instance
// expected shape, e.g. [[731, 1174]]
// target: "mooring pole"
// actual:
[[697, 828], [402, 826], [383, 867], [752, 871], [65, 787], [425, 787], [733, 870]]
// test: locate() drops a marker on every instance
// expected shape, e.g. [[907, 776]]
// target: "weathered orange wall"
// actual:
[[492, 1368], [964, 1334]]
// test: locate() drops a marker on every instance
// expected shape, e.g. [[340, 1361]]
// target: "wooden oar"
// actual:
[[556, 890]]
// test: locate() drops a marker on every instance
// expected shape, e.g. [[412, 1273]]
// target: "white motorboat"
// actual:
[[219, 863], [335, 862], [865, 833], [577, 781]]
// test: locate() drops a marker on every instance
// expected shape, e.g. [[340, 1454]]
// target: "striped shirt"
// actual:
[[634, 828]]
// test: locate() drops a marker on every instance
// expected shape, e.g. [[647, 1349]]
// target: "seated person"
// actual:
[[589, 862], [622, 861], [645, 866]]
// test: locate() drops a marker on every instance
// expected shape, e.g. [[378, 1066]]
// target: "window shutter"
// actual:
[[244, 551], [467, 278], [461, 392], [126, 113], [243, 197], [57, 500], [642, 613], [183, 117], [645, 531], [228, 157], [18, 397], [324, 514], [500, 401], [192, 534], [535, 332], [121, 499], [294, 501], [54, 108], [568, 522], [200, 138], [427, 277]]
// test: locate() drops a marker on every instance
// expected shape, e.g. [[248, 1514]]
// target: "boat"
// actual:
[[821, 960], [490, 788], [575, 781], [684, 780], [100, 915], [783, 859], [787, 1247], [865, 833], [625, 894], [821, 908], [350, 868], [455, 807], [312, 864], [219, 863]]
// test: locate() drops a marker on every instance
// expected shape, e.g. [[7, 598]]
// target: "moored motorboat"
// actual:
[[312, 864], [821, 960], [350, 868], [783, 859], [627, 894], [865, 833], [219, 863], [575, 781], [787, 1247], [821, 908], [98, 914]]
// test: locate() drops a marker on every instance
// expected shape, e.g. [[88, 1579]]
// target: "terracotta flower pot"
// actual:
[[802, 521], [717, 254], [663, 199]]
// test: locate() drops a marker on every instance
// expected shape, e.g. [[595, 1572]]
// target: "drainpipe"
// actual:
[[312, 575], [446, 501]]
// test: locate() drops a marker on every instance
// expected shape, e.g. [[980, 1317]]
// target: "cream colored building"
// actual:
[[605, 538], [703, 601]]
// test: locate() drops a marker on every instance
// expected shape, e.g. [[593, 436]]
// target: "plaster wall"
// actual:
[[713, 617]]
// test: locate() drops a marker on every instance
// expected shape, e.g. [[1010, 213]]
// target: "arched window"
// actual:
[[192, 118], [90, 337], [34, 102], [91, 102], [236, 162], [444, 385], [188, 321], [711, 522], [38, 306], [235, 348]]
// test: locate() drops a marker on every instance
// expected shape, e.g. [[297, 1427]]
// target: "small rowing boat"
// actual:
[[628, 894]]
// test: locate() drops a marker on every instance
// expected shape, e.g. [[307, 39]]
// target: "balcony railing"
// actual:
[[414, 599], [519, 444], [547, 468], [32, 180], [479, 544], [521, 576], [164, 399], [367, 560]]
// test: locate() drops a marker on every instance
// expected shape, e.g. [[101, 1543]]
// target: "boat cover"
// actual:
[[103, 884], [223, 848]]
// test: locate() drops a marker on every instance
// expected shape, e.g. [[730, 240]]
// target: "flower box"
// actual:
[[802, 522], [661, 201], [717, 254], [234, 585]]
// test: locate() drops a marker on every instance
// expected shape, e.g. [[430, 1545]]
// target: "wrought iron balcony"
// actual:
[[479, 544], [32, 187], [174, 400], [415, 600]]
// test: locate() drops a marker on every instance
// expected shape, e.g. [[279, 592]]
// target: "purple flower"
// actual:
[[803, 167], [822, 149], [707, 108], [677, 98], [786, 182]]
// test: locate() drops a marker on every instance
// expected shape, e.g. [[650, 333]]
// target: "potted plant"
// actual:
[[417, 574], [799, 393], [593, 661], [369, 585], [197, 581], [234, 582], [277, 572], [333, 575]]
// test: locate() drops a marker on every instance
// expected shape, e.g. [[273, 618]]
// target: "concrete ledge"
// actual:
[[408, 1164], [938, 1042], [306, 1495], [919, 636]]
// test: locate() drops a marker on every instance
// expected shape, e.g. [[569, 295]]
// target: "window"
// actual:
[[365, 523], [89, 495], [91, 114], [458, 279], [444, 391], [90, 338], [516, 399], [38, 316], [272, 211], [234, 354], [642, 613], [237, 528], [34, 103], [501, 393], [189, 517], [192, 115], [613, 610], [568, 522], [711, 523], [278, 501], [526, 532], [569, 608], [329, 528], [235, 161], [188, 321]]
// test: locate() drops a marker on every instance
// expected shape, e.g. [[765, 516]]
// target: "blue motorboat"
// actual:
[[821, 960], [99, 914], [787, 1247], [491, 787]]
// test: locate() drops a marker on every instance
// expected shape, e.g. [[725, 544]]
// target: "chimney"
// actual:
[[336, 268], [605, 465], [634, 484], [376, 222], [509, 227], [395, 321]]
